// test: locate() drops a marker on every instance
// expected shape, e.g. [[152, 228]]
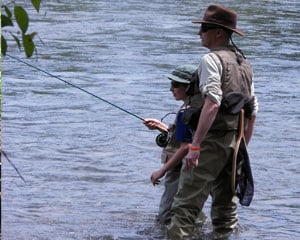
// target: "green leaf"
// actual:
[[36, 4], [3, 45], [6, 21], [21, 18], [8, 12], [17, 40], [28, 44]]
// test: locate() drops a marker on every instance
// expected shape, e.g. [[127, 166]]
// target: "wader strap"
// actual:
[[236, 149]]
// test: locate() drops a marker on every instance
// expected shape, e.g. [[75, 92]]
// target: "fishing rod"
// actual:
[[13, 165], [161, 139], [75, 86]]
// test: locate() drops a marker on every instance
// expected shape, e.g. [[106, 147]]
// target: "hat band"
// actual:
[[182, 75]]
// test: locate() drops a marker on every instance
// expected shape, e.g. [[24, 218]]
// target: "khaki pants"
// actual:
[[212, 176], [171, 185]]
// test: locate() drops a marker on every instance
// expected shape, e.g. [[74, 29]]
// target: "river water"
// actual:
[[87, 164]]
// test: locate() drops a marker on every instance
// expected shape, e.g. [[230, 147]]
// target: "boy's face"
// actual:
[[178, 90]]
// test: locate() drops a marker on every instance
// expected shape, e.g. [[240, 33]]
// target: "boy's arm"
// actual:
[[171, 163]]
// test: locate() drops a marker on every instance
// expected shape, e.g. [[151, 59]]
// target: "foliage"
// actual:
[[12, 14]]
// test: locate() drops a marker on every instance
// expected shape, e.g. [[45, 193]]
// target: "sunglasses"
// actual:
[[176, 84], [206, 27]]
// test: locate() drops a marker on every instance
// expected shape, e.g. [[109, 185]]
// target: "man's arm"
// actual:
[[250, 128]]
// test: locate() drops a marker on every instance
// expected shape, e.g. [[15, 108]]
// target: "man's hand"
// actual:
[[191, 159]]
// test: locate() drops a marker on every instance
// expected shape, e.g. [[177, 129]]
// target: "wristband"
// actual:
[[195, 148]]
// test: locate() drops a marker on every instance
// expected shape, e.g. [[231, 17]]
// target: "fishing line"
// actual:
[[75, 86]]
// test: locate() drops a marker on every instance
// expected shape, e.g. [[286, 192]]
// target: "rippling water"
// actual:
[[87, 164]]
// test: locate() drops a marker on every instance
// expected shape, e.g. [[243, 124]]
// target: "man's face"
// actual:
[[207, 34]]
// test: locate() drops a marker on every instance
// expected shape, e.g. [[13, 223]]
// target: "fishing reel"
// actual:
[[162, 139]]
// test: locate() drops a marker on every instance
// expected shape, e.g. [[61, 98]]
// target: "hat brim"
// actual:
[[176, 79], [217, 24]]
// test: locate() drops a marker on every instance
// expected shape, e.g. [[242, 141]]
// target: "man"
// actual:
[[179, 136], [208, 164]]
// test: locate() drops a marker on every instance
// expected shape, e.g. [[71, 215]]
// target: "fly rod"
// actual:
[[14, 166], [75, 86]]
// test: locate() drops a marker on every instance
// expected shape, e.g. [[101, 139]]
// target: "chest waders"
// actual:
[[213, 176]]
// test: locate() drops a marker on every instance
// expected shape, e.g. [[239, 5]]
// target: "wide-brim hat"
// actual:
[[220, 16], [182, 73]]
